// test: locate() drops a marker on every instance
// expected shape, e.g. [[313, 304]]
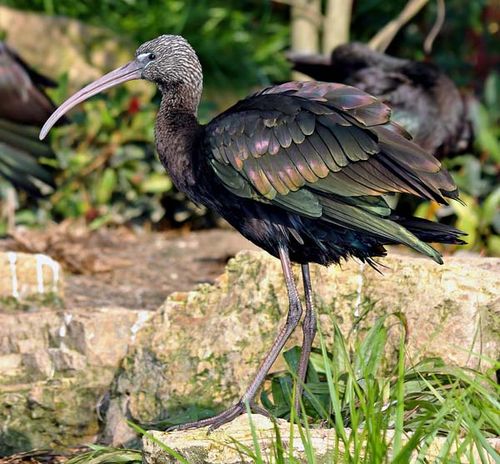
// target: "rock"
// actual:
[[226, 445], [203, 347], [55, 368], [26, 278]]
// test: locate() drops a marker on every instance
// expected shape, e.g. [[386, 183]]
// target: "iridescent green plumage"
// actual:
[[325, 151]]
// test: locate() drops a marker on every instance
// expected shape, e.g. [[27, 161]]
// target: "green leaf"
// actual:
[[490, 208], [493, 245], [107, 455], [468, 219], [163, 446], [105, 186], [156, 183]]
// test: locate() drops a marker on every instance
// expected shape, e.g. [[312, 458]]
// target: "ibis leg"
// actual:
[[292, 320], [309, 327]]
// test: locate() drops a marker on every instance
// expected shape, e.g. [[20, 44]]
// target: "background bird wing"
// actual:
[[319, 137], [23, 99], [38, 79], [23, 103], [20, 152]]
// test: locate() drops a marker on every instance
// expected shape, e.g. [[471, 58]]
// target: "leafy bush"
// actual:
[[108, 170], [238, 43], [349, 388]]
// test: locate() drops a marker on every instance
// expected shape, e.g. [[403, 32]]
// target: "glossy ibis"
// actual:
[[300, 169], [424, 100], [23, 104]]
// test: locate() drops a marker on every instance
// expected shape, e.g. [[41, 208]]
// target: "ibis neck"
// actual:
[[177, 135], [181, 96]]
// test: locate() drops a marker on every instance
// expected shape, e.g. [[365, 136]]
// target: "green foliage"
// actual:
[[465, 25], [362, 381], [163, 446], [238, 42], [107, 455], [108, 169]]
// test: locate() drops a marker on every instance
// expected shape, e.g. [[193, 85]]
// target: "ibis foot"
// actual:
[[222, 418]]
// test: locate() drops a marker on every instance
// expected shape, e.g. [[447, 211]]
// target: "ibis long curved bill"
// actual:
[[130, 71]]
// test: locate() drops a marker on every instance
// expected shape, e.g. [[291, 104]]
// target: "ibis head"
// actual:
[[168, 61]]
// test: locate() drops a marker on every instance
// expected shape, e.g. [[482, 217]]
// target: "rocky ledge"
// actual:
[[203, 346], [57, 364], [231, 444]]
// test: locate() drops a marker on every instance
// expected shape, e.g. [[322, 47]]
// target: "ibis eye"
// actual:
[[152, 56]]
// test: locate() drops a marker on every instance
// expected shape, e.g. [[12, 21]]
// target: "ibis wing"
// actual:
[[325, 151], [296, 143]]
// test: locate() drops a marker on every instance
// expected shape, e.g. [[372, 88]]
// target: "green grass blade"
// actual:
[[256, 444], [162, 445], [400, 405]]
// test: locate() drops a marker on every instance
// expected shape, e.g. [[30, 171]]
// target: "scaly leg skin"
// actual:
[[292, 320], [223, 418], [309, 327]]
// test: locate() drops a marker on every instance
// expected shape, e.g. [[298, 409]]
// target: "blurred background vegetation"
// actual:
[[107, 171]]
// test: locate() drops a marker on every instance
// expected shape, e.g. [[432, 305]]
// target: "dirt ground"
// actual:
[[134, 270]]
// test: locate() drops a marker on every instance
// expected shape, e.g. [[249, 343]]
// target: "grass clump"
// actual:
[[107, 455], [390, 414]]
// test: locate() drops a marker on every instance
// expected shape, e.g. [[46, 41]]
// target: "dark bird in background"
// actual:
[[300, 169], [424, 100], [24, 107]]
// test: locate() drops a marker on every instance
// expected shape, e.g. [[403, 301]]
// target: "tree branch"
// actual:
[[305, 9], [436, 28], [381, 40], [304, 29]]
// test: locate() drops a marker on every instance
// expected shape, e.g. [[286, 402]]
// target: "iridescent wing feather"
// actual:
[[325, 151]]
